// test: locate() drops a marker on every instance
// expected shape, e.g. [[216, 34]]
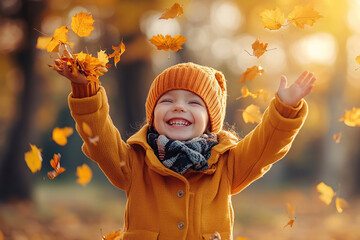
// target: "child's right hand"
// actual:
[[73, 75]]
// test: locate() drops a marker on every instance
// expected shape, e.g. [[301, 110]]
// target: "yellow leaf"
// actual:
[[33, 158], [113, 235], [84, 174], [60, 135], [251, 73], [302, 15], [272, 19], [341, 204], [42, 42], [118, 51], [103, 57], [259, 48], [290, 212], [175, 11], [168, 42], [326, 193], [337, 137], [252, 114], [358, 59], [60, 36], [82, 24], [351, 117]]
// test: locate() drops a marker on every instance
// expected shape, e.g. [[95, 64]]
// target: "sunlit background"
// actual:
[[33, 100]]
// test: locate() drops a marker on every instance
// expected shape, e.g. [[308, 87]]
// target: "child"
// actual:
[[180, 170]]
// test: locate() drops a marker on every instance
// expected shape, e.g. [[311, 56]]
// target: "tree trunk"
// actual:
[[14, 176]]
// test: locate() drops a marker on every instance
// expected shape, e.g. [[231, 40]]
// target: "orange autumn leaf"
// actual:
[[60, 135], [55, 164], [33, 158], [351, 117], [272, 19], [82, 24], [113, 235], [251, 73], [246, 93], [337, 137], [84, 174], [42, 42], [168, 42], [259, 48], [302, 15], [340, 204], [175, 11], [118, 51], [290, 212], [60, 36], [326, 193], [252, 114]]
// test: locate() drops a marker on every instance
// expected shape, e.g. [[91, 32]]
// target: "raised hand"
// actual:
[[71, 74], [299, 89]]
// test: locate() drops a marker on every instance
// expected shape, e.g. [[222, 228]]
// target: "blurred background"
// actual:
[[33, 101]]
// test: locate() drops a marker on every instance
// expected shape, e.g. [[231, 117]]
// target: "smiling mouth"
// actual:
[[177, 122]]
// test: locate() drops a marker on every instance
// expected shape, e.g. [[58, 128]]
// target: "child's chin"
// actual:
[[180, 137]]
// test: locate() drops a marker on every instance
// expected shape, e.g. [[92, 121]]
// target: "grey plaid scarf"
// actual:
[[181, 156]]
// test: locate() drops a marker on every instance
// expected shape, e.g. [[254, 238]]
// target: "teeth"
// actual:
[[179, 123]]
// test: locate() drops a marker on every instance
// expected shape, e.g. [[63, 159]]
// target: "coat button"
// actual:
[[180, 193], [181, 225]]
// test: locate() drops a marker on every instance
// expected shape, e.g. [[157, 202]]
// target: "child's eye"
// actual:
[[165, 100], [195, 102]]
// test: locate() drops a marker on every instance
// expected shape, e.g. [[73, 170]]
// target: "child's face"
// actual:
[[180, 115]]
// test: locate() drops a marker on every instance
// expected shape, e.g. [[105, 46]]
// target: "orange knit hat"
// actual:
[[206, 82]]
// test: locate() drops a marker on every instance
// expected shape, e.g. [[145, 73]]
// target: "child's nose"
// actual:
[[178, 107]]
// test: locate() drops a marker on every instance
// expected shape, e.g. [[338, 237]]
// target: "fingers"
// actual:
[[301, 77], [283, 82]]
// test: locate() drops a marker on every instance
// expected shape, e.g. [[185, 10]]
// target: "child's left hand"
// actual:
[[295, 92]]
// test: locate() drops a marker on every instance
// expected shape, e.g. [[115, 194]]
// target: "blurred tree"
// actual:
[[14, 177]]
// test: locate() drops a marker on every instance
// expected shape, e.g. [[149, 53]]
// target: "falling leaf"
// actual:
[[84, 174], [42, 42], [113, 235], [358, 59], [259, 48], [175, 11], [55, 163], [168, 42], [302, 15], [272, 19], [351, 117], [82, 24], [60, 135], [60, 36], [290, 212], [118, 51], [341, 204], [33, 158], [326, 193], [252, 114], [251, 73], [246, 93], [337, 137]]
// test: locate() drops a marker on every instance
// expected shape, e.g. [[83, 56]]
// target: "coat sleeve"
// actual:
[[111, 153], [254, 155]]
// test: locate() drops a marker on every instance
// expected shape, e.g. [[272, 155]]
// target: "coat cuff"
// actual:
[[84, 90], [287, 111]]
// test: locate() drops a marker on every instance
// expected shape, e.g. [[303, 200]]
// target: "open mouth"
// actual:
[[178, 122]]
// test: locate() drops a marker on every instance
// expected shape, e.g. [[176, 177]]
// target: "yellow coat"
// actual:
[[165, 205]]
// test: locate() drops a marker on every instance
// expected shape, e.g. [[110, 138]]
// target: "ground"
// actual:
[[73, 212]]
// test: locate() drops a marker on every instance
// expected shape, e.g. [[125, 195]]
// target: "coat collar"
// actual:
[[226, 142]]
